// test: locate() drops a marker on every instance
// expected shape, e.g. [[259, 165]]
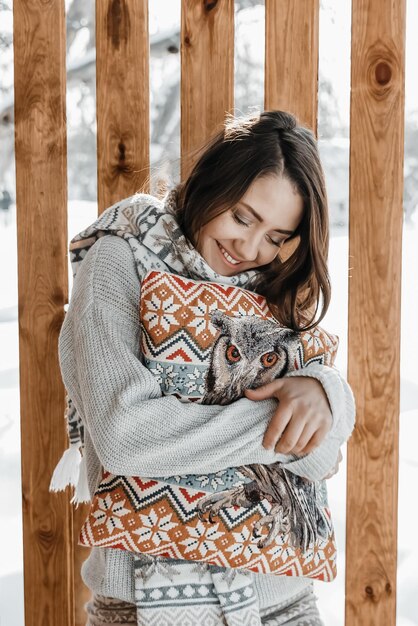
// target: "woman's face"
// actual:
[[251, 233]]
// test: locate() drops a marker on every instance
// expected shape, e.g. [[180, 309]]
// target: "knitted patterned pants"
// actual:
[[302, 611]]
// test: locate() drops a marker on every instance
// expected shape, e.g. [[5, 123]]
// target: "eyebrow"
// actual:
[[260, 219]]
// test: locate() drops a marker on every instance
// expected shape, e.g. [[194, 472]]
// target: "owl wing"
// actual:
[[307, 522]]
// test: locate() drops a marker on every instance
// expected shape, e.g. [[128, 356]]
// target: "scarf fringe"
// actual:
[[82, 492], [142, 219], [71, 470], [67, 470]]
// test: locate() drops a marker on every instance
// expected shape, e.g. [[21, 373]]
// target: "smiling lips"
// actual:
[[227, 256]]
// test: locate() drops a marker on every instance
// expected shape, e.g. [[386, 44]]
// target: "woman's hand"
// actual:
[[303, 416]]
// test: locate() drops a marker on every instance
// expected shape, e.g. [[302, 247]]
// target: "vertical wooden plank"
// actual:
[[291, 65], [122, 93], [376, 185], [207, 72], [122, 109], [41, 199]]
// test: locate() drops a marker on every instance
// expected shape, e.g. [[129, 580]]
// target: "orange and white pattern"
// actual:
[[161, 519]]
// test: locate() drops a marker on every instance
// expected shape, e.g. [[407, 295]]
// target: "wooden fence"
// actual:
[[54, 593]]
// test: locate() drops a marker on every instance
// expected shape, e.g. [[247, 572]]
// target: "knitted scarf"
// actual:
[[166, 591]]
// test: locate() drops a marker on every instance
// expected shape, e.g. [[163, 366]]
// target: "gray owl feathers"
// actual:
[[249, 352]]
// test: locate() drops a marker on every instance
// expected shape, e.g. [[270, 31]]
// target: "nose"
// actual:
[[247, 249]]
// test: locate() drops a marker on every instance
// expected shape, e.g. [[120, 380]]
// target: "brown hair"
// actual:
[[268, 143]]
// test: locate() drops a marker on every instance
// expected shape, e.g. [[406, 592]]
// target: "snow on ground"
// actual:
[[11, 564]]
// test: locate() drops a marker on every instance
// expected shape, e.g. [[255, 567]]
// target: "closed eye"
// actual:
[[240, 221], [277, 243]]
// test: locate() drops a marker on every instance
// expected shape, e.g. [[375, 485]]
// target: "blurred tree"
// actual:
[[410, 199], [331, 124]]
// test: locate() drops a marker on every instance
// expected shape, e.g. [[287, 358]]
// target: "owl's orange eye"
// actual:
[[232, 354], [269, 359]]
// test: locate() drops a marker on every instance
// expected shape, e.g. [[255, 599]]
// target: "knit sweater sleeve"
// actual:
[[136, 430]]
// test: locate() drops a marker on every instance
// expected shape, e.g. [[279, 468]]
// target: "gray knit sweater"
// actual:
[[130, 429]]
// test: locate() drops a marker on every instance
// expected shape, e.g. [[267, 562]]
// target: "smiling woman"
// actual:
[[258, 184], [257, 178], [251, 234]]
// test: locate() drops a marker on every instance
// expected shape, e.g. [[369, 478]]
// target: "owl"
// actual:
[[248, 352], [294, 511]]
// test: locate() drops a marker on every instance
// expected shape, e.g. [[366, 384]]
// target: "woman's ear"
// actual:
[[288, 248]]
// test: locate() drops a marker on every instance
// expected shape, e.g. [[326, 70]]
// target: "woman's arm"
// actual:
[[136, 431], [312, 419]]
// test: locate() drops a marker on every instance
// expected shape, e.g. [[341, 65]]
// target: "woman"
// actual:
[[253, 212]]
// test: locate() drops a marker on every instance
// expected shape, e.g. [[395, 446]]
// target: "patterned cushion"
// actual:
[[207, 342]]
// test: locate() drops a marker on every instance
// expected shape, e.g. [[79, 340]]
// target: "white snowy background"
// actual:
[[333, 132]]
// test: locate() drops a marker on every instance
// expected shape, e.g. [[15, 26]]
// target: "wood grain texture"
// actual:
[[376, 186], [207, 72], [122, 93], [291, 58], [41, 199], [122, 110]]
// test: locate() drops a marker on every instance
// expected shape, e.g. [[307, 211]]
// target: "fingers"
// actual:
[[305, 437], [278, 423], [314, 441], [290, 437], [265, 391], [299, 437], [289, 433], [303, 416]]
